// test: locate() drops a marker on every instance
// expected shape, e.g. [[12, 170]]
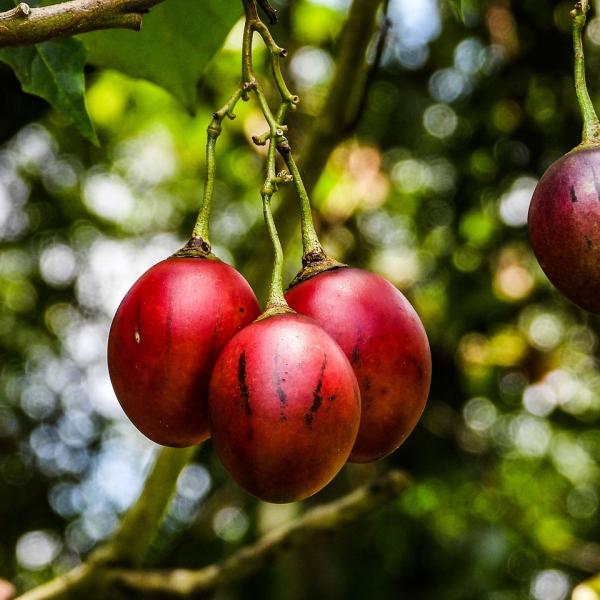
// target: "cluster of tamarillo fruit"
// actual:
[[564, 214], [337, 369], [288, 397]]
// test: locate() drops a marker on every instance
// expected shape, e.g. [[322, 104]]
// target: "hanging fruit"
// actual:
[[564, 215]]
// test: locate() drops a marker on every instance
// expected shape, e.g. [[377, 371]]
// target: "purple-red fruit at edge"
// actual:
[[564, 226], [166, 337], [386, 343], [284, 408]]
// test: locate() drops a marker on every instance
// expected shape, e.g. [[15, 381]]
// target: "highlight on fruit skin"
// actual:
[[386, 343], [564, 226], [284, 408], [165, 338]]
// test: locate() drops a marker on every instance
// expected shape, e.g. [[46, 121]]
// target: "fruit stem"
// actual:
[[310, 241], [276, 303], [199, 244], [276, 297], [202, 223], [201, 229], [254, 23], [248, 79], [314, 258], [591, 125]]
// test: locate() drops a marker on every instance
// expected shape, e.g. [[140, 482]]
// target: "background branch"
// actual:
[[181, 583], [139, 524], [100, 581], [269, 11], [138, 527], [97, 580], [25, 25], [345, 92], [382, 40]]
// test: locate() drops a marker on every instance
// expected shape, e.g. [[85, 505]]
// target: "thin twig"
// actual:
[[384, 31], [25, 25], [269, 11]]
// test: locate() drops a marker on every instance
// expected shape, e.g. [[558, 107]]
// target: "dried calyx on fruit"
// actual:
[[173, 323], [564, 215]]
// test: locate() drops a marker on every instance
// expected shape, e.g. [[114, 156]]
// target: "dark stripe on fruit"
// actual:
[[573, 195], [244, 391], [317, 397]]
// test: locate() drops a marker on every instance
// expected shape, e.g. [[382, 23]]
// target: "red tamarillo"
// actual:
[[284, 408], [564, 215], [382, 336], [166, 337], [564, 226]]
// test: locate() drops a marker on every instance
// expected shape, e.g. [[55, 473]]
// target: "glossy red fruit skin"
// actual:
[[564, 226], [165, 338], [385, 341], [284, 408]]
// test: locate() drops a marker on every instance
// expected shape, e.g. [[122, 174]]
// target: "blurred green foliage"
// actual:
[[432, 192]]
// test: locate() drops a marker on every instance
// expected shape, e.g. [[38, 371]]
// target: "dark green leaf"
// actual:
[[54, 71], [177, 40]]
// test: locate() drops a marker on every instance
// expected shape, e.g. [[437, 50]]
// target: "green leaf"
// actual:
[[177, 40], [54, 71]]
